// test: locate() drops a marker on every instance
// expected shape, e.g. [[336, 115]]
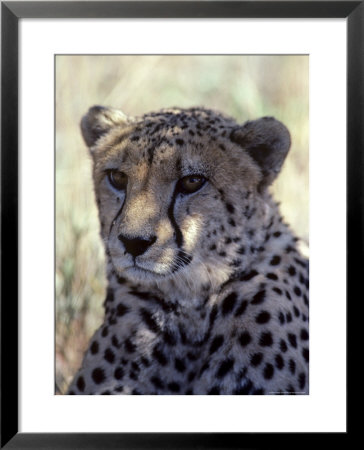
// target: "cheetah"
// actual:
[[207, 290]]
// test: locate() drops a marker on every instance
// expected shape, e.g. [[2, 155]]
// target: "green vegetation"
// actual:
[[245, 87]]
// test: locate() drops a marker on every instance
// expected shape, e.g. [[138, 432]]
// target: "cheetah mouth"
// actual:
[[139, 273]]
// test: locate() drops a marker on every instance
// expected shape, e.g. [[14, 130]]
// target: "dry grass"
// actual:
[[245, 87]]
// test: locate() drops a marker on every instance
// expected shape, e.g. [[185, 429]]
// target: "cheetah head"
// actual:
[[181, 191]]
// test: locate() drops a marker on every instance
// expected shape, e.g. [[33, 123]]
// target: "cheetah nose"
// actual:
[[136, 246]]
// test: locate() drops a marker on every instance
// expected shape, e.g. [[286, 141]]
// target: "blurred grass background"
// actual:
[[245, 87]]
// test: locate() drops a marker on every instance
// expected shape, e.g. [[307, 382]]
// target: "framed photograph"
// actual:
[[143, 153]]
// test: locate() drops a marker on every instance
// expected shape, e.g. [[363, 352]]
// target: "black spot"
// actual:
[[244, 339], [204, 367], [174, 387], [213, 315], [119, 388], [301, 263], [296, 311], [225, 367], [169, 338], [304, 334], [292, 340], [259, 391], [110, 295], [228, 303], [283, 345], [292, 366], [266, 339], [276, 234], [98, 375], [277, 290], [104, 332], [159, 356], [258, 298], [189, 392], [290, 249], [235, 263], [232, 222], [289, 317], [182, 333], [119, 373], [121, 309], [213, 247], [268, 371], [192, 356], [94, 347], [306, 354], [248, 276], [109, 355], [180, 141], [135, 392], [256, 359], [105, 393], [141, 295], [251, 233], [303, 281], [241, 250], [281, 318], [145, 361], [297, 291], [244, 390], [214, 391], [240, 311], [301, 380], [305, 299], [120, 280], [275, 260], [216, 343], [290, 389], [263, 317], [242, 373], [288, 295], [230, 208], [157, 382], [81, 383], [115, 342], [129, 346], [292, 271], [149, 320], [279, 361], [179, 365], [272, 276], [191, 376], [112, 321]]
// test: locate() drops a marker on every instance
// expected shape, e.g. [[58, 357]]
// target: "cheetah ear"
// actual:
[[99, 121], [267, 141]]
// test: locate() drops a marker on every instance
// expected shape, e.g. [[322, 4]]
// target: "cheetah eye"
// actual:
[[191, 183], [118, 180]]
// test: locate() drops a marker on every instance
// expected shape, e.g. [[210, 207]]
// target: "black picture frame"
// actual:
[[11, 12]]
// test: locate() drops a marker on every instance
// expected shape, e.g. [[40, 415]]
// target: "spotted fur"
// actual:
[[207, 292]]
